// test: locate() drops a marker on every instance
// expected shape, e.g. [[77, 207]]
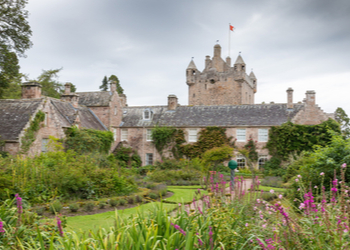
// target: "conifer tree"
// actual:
[[114, 78], [104, 86]]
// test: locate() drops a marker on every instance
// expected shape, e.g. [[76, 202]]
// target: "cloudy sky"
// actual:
[[148, 44]]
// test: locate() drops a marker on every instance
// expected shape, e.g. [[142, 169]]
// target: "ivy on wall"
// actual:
[[88, 140], [128, 156], [30, 132], [293, 138], [168, 137], [209, 138]]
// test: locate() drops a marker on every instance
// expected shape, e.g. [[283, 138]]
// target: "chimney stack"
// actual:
[[31, 90], [69, 96], [290, 98], [67, 88], [113, 86], [310, 97], [172, 102]]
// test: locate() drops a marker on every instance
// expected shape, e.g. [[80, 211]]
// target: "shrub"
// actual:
[[55, 207], [131, 199], [39, 210], [74, 207], [113, 202], [153, 196], [102, 205], [89, 206], [122, 202], [138, 199], [272, 181], [267, 196]]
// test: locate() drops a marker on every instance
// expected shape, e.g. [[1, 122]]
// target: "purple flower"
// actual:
[[200, 242], [59, 225], [177, 227], [2, 230], [19, 203]]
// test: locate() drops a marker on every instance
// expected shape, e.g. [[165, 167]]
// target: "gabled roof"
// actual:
[[68, 115], [14, 115], [203, 116], [94, 99]]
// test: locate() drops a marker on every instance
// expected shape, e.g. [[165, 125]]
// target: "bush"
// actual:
[[267, 196], [113, 202], [102, 205], [74, 207], [89, 206], [39, 210], [131, 199], [122, 202], [138, 199], [272, 181], [56, 207], [272, 167], [153, 196]]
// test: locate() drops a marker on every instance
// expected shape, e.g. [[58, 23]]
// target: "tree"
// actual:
[[115, 79], [14, 39], [342, 118], [50, 85], [104, 86]]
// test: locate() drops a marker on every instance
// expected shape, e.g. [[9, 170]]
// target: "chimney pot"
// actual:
[[290, 104], [172, 102], [31, 90]]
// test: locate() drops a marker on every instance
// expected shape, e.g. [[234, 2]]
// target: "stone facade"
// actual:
[[220, 83]]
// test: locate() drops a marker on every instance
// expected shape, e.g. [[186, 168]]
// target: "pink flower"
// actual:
[[299, 176], [280, 196], [296, 180], [246, 224], [315, 187], [264, 226], [298, 189], [322, 173], [344, 165], [272, 191], [2, 230]]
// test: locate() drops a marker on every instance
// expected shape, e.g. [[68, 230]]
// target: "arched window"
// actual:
[[262, 160], [240, 162]]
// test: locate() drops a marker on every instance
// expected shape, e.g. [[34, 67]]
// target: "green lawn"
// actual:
[[106, 220], [267, 189], [182, 194]]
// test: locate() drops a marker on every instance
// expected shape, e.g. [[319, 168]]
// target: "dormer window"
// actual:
[[147, 114]]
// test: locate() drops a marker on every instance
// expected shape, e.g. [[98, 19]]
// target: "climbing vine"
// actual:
[[251, 150], [209, 138], [128, 156], [88, 140], [168, 137], [30, 132], [293, 138]]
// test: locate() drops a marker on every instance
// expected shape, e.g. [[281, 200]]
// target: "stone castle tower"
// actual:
[[219, 83]]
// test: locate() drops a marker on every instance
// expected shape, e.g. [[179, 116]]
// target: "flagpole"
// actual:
[[229, 40]]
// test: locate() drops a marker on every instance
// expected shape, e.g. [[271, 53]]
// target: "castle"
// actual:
[[221, 95]]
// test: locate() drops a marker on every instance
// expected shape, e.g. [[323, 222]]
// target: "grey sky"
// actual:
[[148, 44]]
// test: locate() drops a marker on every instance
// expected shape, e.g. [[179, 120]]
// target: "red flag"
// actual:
[[231, 27]]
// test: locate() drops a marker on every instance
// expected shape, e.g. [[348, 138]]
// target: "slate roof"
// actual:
[[203, 116], [93, 99], [68, 114], [14, 115]]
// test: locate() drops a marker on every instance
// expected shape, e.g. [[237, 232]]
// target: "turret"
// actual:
[[239, 64], [254, 80], [191, 72]]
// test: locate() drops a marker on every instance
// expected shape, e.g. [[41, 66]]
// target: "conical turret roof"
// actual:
[[252, 75], [192, 65], [239, 60]]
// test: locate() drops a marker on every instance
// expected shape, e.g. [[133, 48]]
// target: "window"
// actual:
[[240, 162], [115, 110], [263, 134], [124, 135], [149, 159], [147, 114], [262, 160], [192, 135], [44, 145], [149, 135], [114, 134], [241, 134]]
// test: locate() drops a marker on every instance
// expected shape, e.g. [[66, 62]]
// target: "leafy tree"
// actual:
[[14, 39], [115, 79], [342, 118], [104, 86]]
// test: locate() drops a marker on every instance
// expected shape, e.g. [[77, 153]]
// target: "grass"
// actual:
[[106, 220], [182, 195], [267, 189], [185, 187]]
